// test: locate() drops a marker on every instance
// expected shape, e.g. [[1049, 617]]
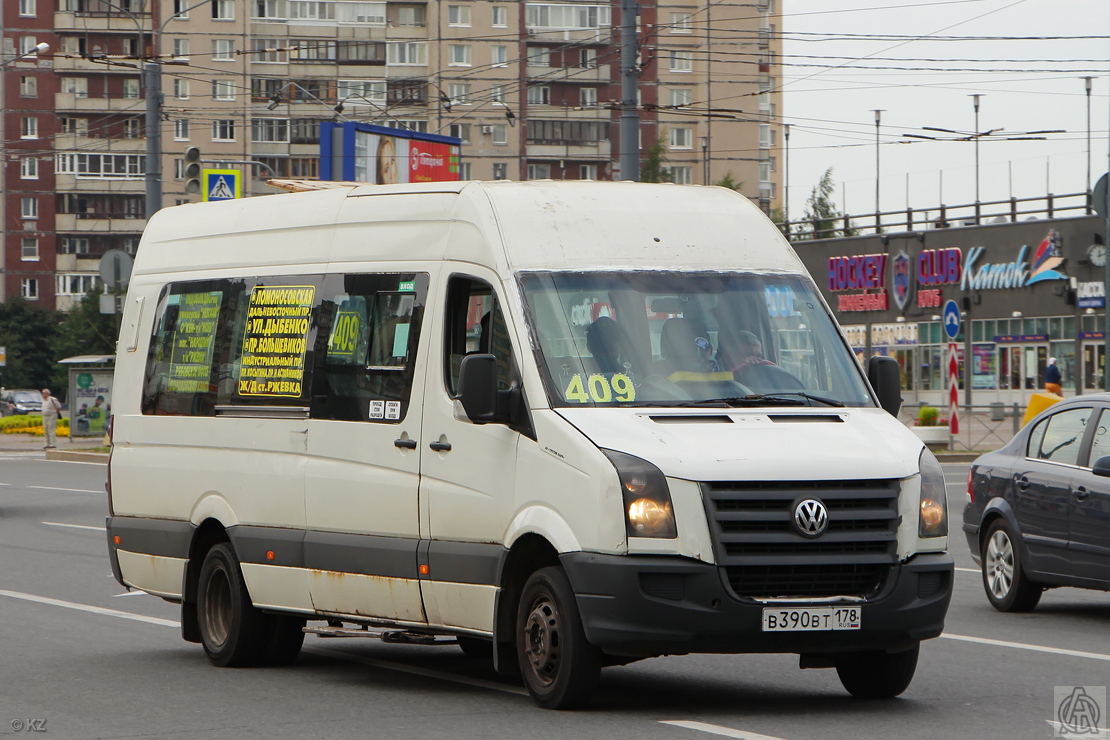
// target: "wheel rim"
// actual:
[[998, 567], [217, 607], [542, 640]]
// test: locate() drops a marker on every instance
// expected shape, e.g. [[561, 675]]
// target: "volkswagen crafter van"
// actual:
[[571, 424]]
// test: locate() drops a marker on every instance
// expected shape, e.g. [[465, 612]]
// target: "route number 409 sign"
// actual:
[[600, 388]]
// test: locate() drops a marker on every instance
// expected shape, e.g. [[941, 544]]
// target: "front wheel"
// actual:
[[877, 674], [560, 667], [1004, 579]]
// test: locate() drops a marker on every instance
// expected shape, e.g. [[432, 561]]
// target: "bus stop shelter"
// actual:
[[90, 394]]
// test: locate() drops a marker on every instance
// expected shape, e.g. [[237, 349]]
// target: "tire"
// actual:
[[559, 666], [878, 674], [284, 637], [476, 648], [1004, 580], [232, 631]]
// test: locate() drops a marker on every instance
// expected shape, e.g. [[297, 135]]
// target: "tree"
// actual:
[[84, 331], [728, 182], [28, 333], [653, 167], [821, 212]]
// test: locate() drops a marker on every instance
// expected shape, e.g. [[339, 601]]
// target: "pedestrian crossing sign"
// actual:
[[221, 185]]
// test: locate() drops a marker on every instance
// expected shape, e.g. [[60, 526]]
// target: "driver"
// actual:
[[750, 352]]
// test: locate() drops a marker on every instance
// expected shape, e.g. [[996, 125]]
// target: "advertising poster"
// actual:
[[190, 362], [385, 160], [274, 343], [90, 402], [984, 374]]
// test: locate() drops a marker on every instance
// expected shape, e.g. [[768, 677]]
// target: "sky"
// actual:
[[1027, 84]]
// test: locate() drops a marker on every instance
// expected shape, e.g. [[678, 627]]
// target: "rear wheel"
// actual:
[[1003, 574], [560, 667], [877, 674]]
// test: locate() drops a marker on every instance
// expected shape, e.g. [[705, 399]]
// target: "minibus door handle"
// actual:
[[406, 444], [440, 446]]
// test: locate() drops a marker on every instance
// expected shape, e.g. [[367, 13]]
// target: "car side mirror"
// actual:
[[1102, 467], [886, 378], [478, 389]]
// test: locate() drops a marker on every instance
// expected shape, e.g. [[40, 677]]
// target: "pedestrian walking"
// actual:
[[1052, 378], [51, 408]]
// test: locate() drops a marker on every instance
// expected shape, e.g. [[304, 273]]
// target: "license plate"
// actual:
[[811, 620]]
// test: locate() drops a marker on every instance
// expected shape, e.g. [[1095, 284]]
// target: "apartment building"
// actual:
[[531, 88]]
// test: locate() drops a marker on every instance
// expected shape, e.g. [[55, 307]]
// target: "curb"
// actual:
[[86, 457]]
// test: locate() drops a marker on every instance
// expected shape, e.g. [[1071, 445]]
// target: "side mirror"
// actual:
[[478, 388], [1102, 467], [886, 379]]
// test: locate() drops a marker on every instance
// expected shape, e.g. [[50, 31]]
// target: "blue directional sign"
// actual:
[[951, 319], [221, 185]]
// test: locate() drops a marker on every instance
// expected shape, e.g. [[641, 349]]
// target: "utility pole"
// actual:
[[152, 80], [878, 219], [786, 178], [630, 77]]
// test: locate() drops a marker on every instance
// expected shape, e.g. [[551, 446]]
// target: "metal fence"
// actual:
[[982, 427]]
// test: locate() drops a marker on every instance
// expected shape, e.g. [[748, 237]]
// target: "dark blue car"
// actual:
[[1038, 514]]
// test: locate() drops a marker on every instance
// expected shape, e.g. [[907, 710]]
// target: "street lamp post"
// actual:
[[975, 103], [878, 218], [1088, 80]]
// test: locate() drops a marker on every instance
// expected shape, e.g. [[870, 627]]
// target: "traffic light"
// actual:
[[192, 170]]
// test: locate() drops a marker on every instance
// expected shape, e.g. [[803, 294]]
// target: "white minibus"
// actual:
[[569, 424]]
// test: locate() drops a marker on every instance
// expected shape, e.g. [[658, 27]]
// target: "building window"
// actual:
[[682, 174], [74, 245], [223, 129], [464, 171], [587, 172], [179, 169], [181, 89], [410, 15], [74, 284], [223, 90], [458, 15], [587, 97], [223, 10], [406, 124], [539, 172], [500, 16], [181, 129], [30, 208], [499, 133], [458, 55], [539, 95], [181, 8], [28, 168], [497, 93], [305, 131], [132, 128], [682, 138], [459, 93], [566, 17], [270, 130], [500, 171], [540, 57], [764, 172], [131, 88], [588, 58], [27, 46], [499, 55], [28, 87], [29, 288], [131, 166], [766, 136], [269, 10], [270, 51], [181, 48], [362, 92], [460, 130], [407, 53], [680, 23], [29, 128], [306, 168], [29, 249], [27, 8], [76, 86], [681, 96], [74, 125], [223, 50], [682, 61]]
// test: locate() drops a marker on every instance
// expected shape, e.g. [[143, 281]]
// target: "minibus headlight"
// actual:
[[647, 500], [933, 508]]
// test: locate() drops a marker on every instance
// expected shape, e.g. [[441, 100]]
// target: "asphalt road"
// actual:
[[82, 658]]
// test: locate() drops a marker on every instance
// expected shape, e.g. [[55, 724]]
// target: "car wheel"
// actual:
[[877, 674], [231, 629], [560, 667], [1004, 580]]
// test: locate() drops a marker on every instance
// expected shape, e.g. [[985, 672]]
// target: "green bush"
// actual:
[[927, 416]]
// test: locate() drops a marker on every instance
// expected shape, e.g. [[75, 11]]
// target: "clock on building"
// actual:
[[1097, 254]]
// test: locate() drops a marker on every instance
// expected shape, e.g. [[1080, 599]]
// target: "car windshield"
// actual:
[[654, 338], [27, 397]]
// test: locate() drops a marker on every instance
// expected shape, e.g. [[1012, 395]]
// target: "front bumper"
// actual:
[[641, 606]]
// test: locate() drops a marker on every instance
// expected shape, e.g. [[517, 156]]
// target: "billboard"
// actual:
[[362, 152]]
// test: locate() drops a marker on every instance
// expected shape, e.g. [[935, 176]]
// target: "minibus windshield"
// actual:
[[660, 338]]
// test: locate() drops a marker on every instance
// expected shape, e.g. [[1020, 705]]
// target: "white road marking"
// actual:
[[426, 672], [68, 490], [717, 730], [75, 526], [1025, 646], [130, 593], [969, 570], [89, 608], [1094, 733]]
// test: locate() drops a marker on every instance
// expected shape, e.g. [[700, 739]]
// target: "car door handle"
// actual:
[[440, 446], [1082, 493], [405, 444], [1023, 483]]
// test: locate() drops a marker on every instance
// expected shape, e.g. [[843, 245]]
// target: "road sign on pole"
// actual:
[[221, 185], [951, 319], [952, 329]]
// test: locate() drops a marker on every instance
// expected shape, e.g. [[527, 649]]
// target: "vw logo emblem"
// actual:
[[811, 518]]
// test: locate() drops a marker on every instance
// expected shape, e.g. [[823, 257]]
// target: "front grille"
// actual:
[[764, 555]]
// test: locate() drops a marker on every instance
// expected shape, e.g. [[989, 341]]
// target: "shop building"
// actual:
[[1028, 291]]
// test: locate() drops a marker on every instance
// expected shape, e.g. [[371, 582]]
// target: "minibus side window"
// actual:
[[369, 330], [475, 325]]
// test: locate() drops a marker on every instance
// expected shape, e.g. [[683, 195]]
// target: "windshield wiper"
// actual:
[[802, 394], [761, 399]]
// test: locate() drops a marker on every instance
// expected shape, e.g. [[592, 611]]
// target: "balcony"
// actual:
[[594, 75], [63, 64], [73, 142], [75, 102], [562, 36], [599, 150], [87, 184], [95, 21], [91, 223]]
